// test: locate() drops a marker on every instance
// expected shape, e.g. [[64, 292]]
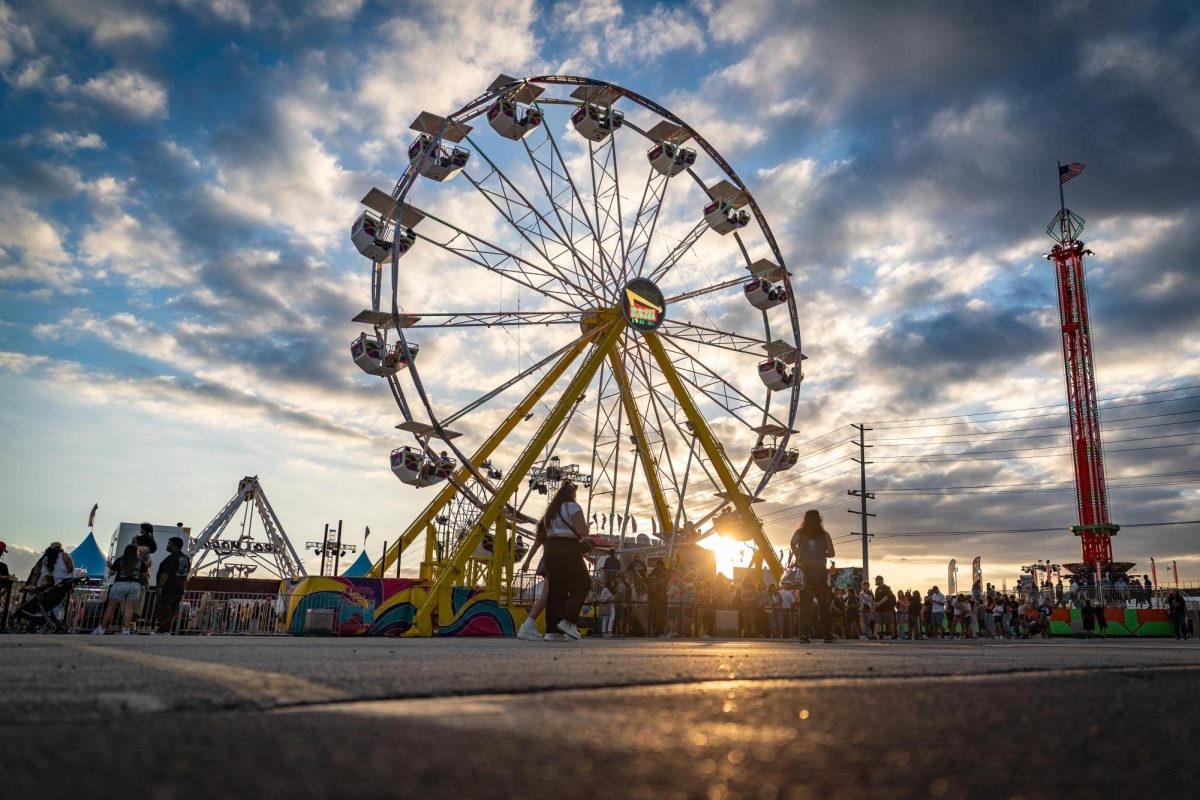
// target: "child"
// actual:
[[608, 611]]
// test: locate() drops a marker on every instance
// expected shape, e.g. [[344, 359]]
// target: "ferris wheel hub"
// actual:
[[643, 305]]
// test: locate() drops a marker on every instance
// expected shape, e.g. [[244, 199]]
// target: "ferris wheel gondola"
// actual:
[[680, 399]]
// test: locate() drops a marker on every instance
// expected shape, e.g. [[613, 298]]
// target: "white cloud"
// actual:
[[337, 9], [31, 248], [118, 28], [20, 363], [13, 36], [602, 33], [132, 92], [65, 141]]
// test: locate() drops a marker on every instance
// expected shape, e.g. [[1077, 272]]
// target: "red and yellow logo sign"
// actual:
[[642, 305]]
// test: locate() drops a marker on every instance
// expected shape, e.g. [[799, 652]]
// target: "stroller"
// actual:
[[37, 612]]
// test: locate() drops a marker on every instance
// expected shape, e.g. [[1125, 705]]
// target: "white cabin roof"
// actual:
[[724, 190], [667, 131], [764, 268], [525, 93], [597, 95], [429, 123]]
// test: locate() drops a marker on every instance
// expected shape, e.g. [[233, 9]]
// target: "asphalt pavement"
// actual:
[[466, 718]]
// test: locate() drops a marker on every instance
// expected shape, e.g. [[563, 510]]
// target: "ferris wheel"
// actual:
[[592, 236]]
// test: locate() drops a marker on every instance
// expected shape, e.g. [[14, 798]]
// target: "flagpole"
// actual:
[[1062, 202]]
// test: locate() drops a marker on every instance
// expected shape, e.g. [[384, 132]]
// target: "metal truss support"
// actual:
[[424, 520], [606, 196], [716, 456], [646, 220], [644, 445], [452, 571]]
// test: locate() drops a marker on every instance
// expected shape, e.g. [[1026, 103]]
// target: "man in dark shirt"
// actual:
[[3, 566], [172, 577]]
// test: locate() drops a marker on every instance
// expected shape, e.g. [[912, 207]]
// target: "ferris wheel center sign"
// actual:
[[642, 305]]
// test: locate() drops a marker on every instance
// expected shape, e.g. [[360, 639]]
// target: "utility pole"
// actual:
[[862, 494], [338, 552], [324, 548]]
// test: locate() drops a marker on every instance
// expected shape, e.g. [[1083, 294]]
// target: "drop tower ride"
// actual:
[[1095, 527]]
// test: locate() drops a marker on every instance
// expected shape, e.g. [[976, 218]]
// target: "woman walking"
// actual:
[[529, 631], [1177, 611], [125, 591], [566, 532]]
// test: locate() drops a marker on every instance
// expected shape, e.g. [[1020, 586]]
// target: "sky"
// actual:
[[178, 179]]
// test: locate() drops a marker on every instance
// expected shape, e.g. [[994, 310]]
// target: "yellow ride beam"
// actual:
[[425, 518], [453, 569], [716, 456], [665, 521]]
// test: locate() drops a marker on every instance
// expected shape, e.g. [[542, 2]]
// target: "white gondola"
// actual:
[[513, 121], [374, 358], [774, 374], [436, 470], [724, 218], [368, 354], [438, 163], [763, 454], [671, 159], [729, 524], [763, 294], [407, 463], [367, 236], [595, 123], [399, 358]]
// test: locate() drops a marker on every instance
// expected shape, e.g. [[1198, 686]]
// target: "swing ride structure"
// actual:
[[667, 373]]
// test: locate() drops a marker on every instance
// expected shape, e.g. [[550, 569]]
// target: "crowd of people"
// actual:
[[640, 599], [130, 595]]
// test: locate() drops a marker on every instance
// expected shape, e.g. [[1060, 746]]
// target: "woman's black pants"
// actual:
[[569, 581]]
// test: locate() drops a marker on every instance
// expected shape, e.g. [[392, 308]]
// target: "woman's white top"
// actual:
[[560, 525]]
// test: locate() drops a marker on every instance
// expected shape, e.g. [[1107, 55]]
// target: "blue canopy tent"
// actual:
[[87, 555], [360, 567]]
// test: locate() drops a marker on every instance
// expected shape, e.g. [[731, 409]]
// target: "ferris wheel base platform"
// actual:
[[387, 606], [1122, 622]]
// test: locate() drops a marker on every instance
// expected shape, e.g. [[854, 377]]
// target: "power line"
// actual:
[[1049, 446], [1025, 530], [1107, 429], [1038, 408], [1035, 483], [1032, 416], [955, 456]]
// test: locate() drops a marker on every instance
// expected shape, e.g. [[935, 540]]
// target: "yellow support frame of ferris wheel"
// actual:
[[716, 456], [450, 572], [665, 521], [424, 521]]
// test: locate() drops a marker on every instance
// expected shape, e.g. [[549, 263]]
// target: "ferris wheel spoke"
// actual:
[[679, 251], [716, 287], [606, 198], [520, 376], [542, 236], [646, 220], [642, 375], [569, 208], [666, 401], [606, 442], [495, 258], [487, 319], [715, 387], [725, 340]]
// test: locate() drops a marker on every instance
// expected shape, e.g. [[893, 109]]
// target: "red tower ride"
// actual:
[[1095, 527]]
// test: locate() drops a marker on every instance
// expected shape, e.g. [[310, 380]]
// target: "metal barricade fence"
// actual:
[[199, 612]]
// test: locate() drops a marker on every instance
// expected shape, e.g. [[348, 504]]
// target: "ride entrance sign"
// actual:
[[642, 305]]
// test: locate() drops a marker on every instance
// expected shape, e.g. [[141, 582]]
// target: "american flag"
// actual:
[[1068, 171]]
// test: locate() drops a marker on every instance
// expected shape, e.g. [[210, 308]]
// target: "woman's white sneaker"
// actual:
[[569, 629], [529, 631]]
